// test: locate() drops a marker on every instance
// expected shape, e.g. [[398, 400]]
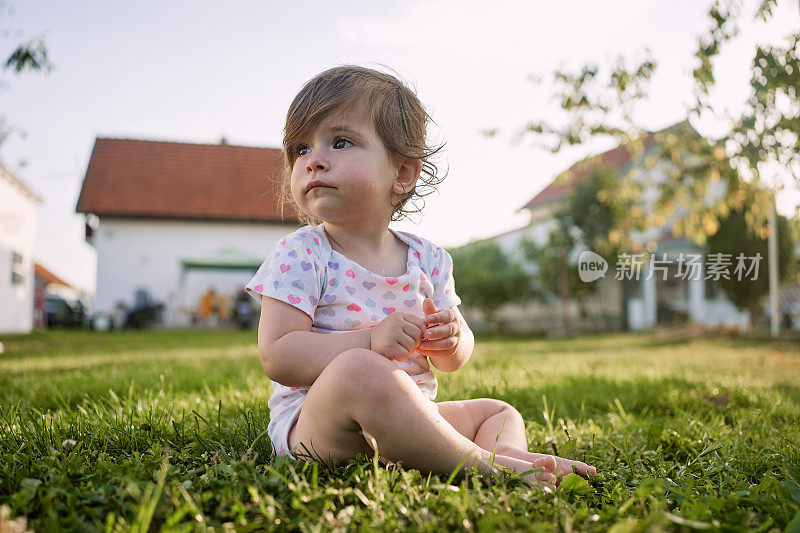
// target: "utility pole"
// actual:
[[772, 261]]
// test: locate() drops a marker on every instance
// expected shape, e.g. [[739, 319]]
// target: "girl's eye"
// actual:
[[341, 142], [301, 150]]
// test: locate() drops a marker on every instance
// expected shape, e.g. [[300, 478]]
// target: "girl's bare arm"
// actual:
[[290, 352], [293, 355]]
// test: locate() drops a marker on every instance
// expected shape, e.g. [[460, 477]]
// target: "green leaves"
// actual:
[[27, 491], [29, 56], [767, 129], [486, 278], [739, 234], [574, 484], [704, 175]]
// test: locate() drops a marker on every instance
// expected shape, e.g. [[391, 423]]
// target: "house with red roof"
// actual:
[[638, 303], [54, 298], [18, 205], [172, 220]]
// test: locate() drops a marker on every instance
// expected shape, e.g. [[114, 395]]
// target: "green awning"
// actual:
[[223, 259]]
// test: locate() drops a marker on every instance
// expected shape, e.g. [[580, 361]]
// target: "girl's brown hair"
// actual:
[[396, 113]]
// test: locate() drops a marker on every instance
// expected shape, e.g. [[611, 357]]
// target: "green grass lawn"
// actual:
[[166, 430]]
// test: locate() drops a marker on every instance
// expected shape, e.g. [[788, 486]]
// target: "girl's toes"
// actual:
[[566, 466], [547, 481], [584, 469], [548, 463]]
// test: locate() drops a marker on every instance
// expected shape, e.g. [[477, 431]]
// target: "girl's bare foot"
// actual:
[[562, 466], [544, 478]]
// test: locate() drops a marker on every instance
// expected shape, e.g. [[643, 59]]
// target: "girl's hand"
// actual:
[[397, 336], [443, 331]]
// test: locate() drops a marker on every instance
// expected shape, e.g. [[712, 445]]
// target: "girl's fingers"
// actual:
[[447, 343], [428, 307], [413, 331], [407, 342], [441, 332], [430, 353], [438, 332], [415, 320], [441, 317]]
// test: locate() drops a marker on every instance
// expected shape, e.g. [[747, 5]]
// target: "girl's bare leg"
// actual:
[[360, 392], [495, 425]]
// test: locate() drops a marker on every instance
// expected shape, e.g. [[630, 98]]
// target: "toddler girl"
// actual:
[[356, 313]]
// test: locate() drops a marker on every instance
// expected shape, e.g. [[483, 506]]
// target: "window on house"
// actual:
[[17, 272]]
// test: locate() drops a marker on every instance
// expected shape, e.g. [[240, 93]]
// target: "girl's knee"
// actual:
[[507, 409], [358, 363], [363, 373]]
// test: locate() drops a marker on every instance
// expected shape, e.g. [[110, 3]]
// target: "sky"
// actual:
[[195, 71]]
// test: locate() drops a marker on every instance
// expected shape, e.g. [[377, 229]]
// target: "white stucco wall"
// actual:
[[17, 235], [147, 254], [710, 312], [537, 232]]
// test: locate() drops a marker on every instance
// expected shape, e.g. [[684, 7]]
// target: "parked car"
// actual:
[[63, 313]]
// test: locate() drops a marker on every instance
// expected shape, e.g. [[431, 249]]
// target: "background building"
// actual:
[[635, 304], [17, 239], [171, 221], [56, 302]]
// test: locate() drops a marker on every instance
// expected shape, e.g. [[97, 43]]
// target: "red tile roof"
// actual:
[[153, 179], [48, 277], [564, 183]]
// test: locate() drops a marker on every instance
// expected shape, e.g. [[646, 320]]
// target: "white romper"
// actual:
[[340, 295]]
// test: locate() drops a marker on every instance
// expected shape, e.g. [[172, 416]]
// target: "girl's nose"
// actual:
[[315, 163]]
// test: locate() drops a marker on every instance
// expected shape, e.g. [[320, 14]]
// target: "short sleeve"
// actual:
[[440, 272], [291, 274]]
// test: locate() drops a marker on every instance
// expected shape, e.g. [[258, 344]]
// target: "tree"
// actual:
[[601, 102], [554, 269], [486, 278], [738, 237], [592, 217], [27, 56], [599, 212]]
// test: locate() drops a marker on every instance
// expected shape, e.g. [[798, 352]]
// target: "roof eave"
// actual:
[[21, 184], [196, 218]]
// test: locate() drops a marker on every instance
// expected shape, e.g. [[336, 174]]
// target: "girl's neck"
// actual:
[[357, 240], [377, 250]]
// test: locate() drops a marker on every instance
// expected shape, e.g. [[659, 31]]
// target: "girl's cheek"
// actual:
[[294, 184]]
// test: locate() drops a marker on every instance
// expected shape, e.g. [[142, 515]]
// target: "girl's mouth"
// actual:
[[316, 183]]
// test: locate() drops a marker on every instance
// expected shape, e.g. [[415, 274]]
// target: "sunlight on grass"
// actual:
[[103, 431]]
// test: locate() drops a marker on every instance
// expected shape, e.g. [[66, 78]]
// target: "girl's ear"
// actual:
[[407, 175]]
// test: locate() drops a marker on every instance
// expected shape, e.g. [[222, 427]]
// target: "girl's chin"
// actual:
[[329, 213]]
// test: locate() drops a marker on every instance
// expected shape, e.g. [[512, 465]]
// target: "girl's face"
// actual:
[[343, 174]]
